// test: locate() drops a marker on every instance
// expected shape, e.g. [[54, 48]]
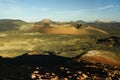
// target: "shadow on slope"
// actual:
[[36, 60]]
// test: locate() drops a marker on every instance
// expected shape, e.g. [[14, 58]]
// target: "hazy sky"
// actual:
[[60, 10]]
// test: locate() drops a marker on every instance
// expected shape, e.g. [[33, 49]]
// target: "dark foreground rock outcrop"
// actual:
[[52, 67]]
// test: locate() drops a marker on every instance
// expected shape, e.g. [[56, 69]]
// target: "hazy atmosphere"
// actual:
[[59, 39], [60, 10]]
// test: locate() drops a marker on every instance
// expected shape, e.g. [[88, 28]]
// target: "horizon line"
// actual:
[[102, 20]]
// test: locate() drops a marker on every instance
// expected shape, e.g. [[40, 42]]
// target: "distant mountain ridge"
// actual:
[[9, 24], [111, 27], [105, 21], [19, 25], [81, 22], [14, 25]]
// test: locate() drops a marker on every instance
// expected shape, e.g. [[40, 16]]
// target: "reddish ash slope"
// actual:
[[69, 30], [97, 57], [49, 27]]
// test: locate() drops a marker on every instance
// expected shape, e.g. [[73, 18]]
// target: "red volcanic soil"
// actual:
[[69, 30], [63, 30], [101, 59]]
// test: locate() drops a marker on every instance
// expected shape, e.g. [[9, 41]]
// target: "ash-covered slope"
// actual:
[[99, 56], [50, 27]]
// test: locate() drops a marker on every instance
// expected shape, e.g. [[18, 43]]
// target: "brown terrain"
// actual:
[[100, 59], [71, 30], [92, 64], [63, 30], [97, 56], [48, 27]]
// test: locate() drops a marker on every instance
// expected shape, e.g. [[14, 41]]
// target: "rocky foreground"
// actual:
[[66, 71]]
